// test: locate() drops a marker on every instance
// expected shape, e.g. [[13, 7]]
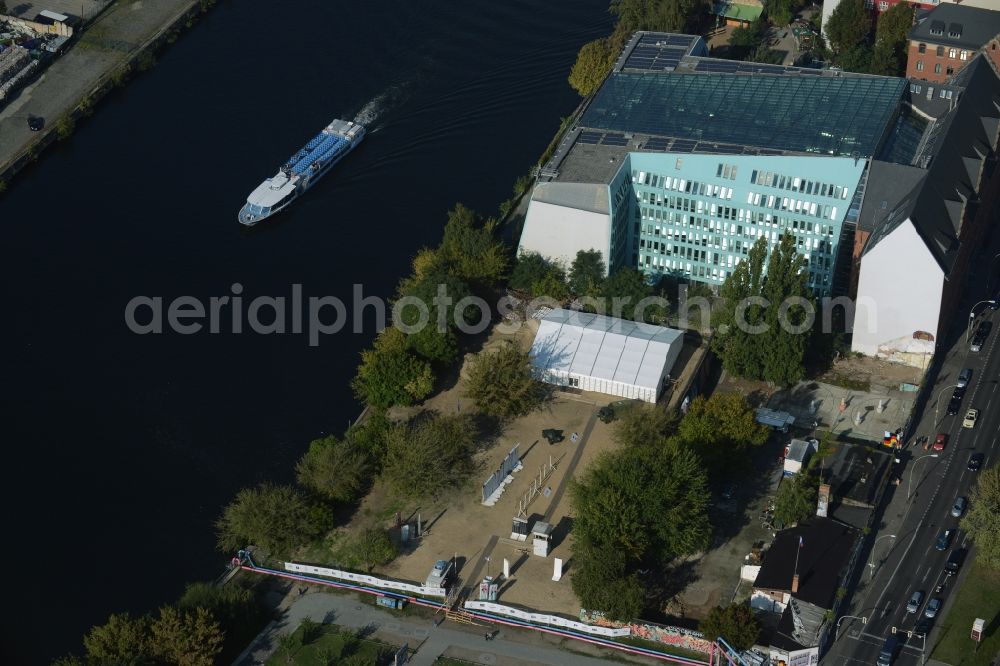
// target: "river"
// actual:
[[122, 448]]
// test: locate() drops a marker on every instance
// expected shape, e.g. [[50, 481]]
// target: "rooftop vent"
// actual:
[[937, 27], [955, 30]]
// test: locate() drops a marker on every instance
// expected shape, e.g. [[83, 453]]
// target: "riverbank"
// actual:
[[119, 43]]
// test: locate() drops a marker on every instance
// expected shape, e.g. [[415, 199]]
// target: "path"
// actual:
[[417, 631]]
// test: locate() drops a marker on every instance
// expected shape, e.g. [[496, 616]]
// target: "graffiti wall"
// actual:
[[687, 639]]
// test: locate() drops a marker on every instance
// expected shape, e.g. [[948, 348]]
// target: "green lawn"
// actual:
[[979, 596], [332, 645]]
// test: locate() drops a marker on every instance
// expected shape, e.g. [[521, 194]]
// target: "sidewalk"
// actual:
[[419, 633], [104, 46]]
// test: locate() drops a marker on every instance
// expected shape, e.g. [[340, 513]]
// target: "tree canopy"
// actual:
[[186, 638], [891, 40], [848, 26], [539, 276], [276, 518], [366, 548], [502, 384], [646, 503], [586, 274], [470, 250], [123, 639], [781, 317], [982, 522], [735, 623], [390, 374], [656, 15], [593, 63], [720, 430], [623, 290], [796, 499], [430, 454], [335, 469]]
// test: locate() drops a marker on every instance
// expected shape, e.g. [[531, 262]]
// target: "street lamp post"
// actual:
[[836, 629], [871, 561], [909, 486], [972, 317], [937, 402]]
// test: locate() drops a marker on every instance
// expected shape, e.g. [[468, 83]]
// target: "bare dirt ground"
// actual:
[[875, 371], [461, 526]]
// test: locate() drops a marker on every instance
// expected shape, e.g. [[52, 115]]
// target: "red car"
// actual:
[[940, 441]]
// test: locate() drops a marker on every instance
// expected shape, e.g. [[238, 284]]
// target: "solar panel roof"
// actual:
[[830, 115]]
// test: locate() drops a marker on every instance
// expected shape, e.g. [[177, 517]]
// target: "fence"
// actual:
[[680, 637], [364, 579], [553, 620], [499, 477]]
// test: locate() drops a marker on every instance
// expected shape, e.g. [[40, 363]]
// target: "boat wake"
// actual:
[[377, 107]]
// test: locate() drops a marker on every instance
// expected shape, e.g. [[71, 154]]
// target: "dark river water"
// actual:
[[120, 449]]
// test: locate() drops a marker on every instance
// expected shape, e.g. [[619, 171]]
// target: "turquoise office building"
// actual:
[[680, 162]]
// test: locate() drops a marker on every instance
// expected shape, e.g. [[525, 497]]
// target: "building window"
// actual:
[[920, 67], [915, 89], [883, 5], [937, 68], [940, 52], [922, 48], [869, 4], [950, 71], [952, 53], [964, 55]]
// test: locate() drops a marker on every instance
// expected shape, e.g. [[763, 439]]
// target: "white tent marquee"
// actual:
[[598, 353]]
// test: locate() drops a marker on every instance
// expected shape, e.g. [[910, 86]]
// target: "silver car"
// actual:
[[933, 606], [958, 508]]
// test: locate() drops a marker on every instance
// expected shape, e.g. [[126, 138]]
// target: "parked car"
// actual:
[[958, 508], [970, 418], [944, 539], [933, 606], [35, 123], [975, 462], [964, 378], [913, 605], [954, 562], [940, 441]]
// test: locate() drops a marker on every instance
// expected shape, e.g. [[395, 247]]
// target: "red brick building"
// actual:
[[947, 38]]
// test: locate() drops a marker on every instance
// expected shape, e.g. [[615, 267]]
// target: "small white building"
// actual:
[[593, 352], [797, 455]]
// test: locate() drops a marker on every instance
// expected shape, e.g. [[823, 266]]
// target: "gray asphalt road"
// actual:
[[910, 561]]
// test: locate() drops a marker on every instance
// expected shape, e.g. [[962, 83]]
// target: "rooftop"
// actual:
[[957, 25], [604, 347], [826, 547]]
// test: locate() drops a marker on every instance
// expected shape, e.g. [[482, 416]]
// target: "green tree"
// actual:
[[593, 63], [390, 375], [501, 382], [787, 292], [623, 290], [235, 607], [796, 499], [735, 623], [982, 522], [69, 659], [644, 425], [122, 640], [430, 454], [750, 36], [848, 26], [891, 40], [276, 518], [186, 639], [438, 292], [371, 435], [656, 15], [586, 274], [65, 126], [539, 276], [335, 469], [367, 548], [470, 249], [720, 430], [739, 351], [311, 630], [781, 12], [649, 504], [602, 581]]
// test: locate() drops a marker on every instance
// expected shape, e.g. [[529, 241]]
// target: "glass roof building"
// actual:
[[680, 162]]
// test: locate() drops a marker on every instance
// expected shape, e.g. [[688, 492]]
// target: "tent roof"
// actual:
[[622, 351]]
